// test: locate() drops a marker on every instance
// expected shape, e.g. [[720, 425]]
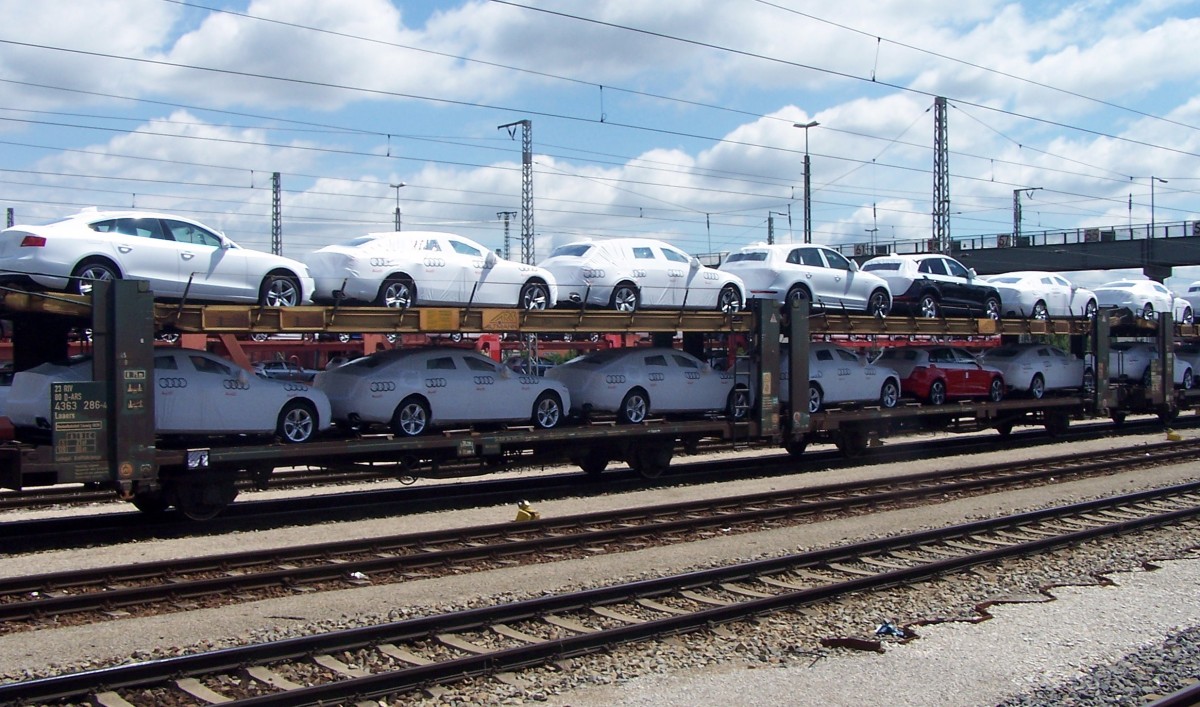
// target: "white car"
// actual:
[[1130, 361], [1042, 295], [404, 269], [638, 382], [195, 393], [1192, 296], [1182, 311], [1142, 297], [1038, 368], [179, 257], [933, 285], [628, 274], [783, 273], [414, 390], [838, 375]]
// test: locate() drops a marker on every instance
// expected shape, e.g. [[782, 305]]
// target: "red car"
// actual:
[[937, 373]]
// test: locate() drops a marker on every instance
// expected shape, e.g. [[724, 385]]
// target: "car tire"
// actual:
[[1040, 311], [889, 394], [991, 308], [737, 407], [1090, 309], [411, 417], [1148, 311], [297, 422], [625, 298], [996, 390], [91, 270], [397, 293], [1188, 316], [798, 293], [928, 306], [278, 290], [1037, 387], [816, 398], [879, 305], [937, 393], [1189, 380], [535, 296], [635, 407], [547, 411], [729, 299]]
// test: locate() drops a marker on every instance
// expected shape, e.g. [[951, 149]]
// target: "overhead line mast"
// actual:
[[527, 254]]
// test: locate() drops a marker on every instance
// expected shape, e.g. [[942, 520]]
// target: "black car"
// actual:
[[934, 285]]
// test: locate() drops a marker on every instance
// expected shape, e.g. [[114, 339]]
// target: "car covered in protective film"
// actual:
[[1131, 361], [196, 393], [786, 272], [1042, 295], [636, 383], [628, 274], [933, 285], [935, 374], [838, 375], [412, 391], [407, 268], [1035, 369], [1145, 298], [179, 257]]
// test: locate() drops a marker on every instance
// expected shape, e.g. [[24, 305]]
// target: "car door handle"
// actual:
[[187, 256], [125, 248]]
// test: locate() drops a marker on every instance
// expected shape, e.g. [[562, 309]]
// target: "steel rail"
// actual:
[[372, 559], [159, 673]]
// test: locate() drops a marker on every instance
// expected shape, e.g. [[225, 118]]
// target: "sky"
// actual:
[[672, 119]]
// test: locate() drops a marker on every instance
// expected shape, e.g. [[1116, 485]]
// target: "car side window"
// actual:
[[675, 256], [464, 249], [656, 360], [165, 363], [940, 356], [956, 269], [824, 355], [207, 365], [643, 253], [189, 233], [441, 363], [806, 256], [684, 362], [478, 364], [432, 245], [932, 266], [139, 227], [837, 261], [847, 356]]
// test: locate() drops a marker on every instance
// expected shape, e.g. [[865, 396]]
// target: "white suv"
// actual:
[[784, 273]]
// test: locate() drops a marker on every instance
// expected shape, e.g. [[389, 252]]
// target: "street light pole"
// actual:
[[807, 183], [397, 188], [1153, 179]]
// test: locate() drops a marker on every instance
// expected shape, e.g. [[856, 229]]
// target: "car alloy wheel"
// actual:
[[1040, 311], [889, 395], [937, 393], [1037, 387], [547, 411], [89, 272], [815, 398], [928, 306], [991, 307], [297, 422], [729, 299], [625, 298], [634, 407], [879, 305], [411, 417], [534, 296], [996, 390], [397, 293]]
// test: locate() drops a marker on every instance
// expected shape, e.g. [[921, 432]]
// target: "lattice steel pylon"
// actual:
[[506, 215], [276, 216], [527, 254], [941, 178]]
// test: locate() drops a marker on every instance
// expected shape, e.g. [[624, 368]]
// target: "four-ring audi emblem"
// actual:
[[231, 384], [383, 386], [656, 377], [172, 382], [435, 262], [380, 262], [692, 375], [614, 379], [485, 380], [435, 382]]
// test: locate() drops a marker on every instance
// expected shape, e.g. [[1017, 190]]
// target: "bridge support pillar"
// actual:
[[1158, 273]]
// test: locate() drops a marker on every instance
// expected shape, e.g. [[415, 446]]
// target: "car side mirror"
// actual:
[[490, 260], [242, 377], [972, 273], [854, 266], [694, 262], [505, 372]]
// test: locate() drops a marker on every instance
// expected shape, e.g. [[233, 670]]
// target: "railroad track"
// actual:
[[189, 583], [394, 658]]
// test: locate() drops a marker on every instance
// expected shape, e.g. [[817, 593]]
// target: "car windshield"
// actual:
[[575, 249], [893, 265], [1009, 280], [754, 255]]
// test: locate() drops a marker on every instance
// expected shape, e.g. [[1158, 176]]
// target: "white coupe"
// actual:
[[638, 382], [1130, 361], [837, 375], [1038, 368], [628, 274], [180, 258], [1145, 298], [413, 390], [1042, 295], [404, 269], [783, 273], [195, 393]]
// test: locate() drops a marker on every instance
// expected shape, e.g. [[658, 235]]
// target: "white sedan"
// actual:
[[838, 375], [180, 258], [628, 274], [403, 269], [1145, 298], [1042, 295], [1038, 368], [638, 382], [413, 390], [195, 393], [1130, 361], [821, 275]]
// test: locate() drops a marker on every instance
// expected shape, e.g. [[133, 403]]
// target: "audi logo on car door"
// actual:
[[232, 384], [172, 383], [692, 375], [435, 382], [657, 377], [485, 380], [435, 262], [614, 379], [383, 386]]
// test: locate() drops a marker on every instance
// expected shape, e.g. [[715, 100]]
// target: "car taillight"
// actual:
[[33, 242]]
